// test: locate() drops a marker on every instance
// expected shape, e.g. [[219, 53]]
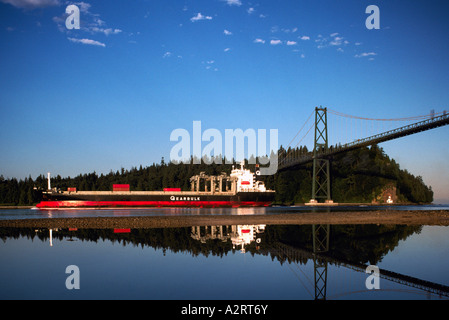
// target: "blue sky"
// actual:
[[108, 95]]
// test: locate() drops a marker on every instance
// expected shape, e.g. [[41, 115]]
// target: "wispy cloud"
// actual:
[[305, 38], [84, 6], [258, 40], [337, 41], [275, 42], [291, 43], [167, 54], [88, 42], [199, 17], [32, 4], [233, 2], [106, 31], [227, 32], [365, 54], [91, 22], [250, 10]]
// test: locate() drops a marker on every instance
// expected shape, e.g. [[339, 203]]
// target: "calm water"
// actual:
[[246, 262], [70, 213]]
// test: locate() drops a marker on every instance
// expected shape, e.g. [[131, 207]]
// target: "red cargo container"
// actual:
[[71, 189], [125, 230], [120, 187]]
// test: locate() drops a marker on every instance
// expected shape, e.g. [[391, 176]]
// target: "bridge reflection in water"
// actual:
[[289, 244], [242, 235]]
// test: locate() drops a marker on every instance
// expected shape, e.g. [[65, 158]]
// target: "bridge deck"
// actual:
[[428, 124]]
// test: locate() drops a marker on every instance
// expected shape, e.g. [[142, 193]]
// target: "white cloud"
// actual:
[[258, 40], [322, 42], [365, 54], [107, 31], [234, 2], [227, 49], [88, 41], [32, 4], [337, 41], [167, 54], [84, 6], [334, 34], [275, 42], [199, 17], [303, 55], [250, 10], [90, 22], [305, 38], [291, 43], [227, 32], [289, 30]]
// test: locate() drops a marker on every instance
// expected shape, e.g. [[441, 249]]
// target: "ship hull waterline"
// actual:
[[66, 201], [147, 204]]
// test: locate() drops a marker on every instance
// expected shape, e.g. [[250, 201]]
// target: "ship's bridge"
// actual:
[[246, 180]]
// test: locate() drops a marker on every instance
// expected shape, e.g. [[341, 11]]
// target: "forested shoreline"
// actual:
[[357, 176]]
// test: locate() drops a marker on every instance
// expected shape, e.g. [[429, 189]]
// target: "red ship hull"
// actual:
[[141, 204]]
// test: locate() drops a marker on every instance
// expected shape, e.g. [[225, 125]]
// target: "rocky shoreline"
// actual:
[[427, 217]]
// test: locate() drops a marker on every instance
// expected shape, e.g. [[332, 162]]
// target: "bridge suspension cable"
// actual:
[[434, 120], [351, 128], [422, 117], [284, 154], [308, 119]]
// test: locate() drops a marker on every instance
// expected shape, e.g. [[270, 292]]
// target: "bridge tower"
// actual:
[[321, 184], [320, 234]]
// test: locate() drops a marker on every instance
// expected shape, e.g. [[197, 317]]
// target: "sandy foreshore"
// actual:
[[434, 217]]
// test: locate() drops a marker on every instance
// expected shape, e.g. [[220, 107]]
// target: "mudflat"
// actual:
[[424, 217]]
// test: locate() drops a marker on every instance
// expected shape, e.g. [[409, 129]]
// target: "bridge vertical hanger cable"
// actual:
[[359, 127]]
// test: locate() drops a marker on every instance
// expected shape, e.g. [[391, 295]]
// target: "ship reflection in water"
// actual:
[[242, 261], [239, 235]]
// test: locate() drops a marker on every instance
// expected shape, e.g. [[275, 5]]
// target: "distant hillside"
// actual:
[[362, 175]]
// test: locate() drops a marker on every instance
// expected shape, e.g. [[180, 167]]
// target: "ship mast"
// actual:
[[48, 180]]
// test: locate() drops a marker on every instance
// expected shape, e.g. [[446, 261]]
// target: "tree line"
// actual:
[[361, 244], [356, 176]]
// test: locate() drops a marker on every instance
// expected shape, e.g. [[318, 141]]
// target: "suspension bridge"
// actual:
[[323, 151]]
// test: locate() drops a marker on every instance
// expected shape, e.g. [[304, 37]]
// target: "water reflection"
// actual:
[[239, 235], [353, 247]]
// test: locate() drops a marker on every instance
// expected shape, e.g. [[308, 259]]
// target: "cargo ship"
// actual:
[[239, 189]]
